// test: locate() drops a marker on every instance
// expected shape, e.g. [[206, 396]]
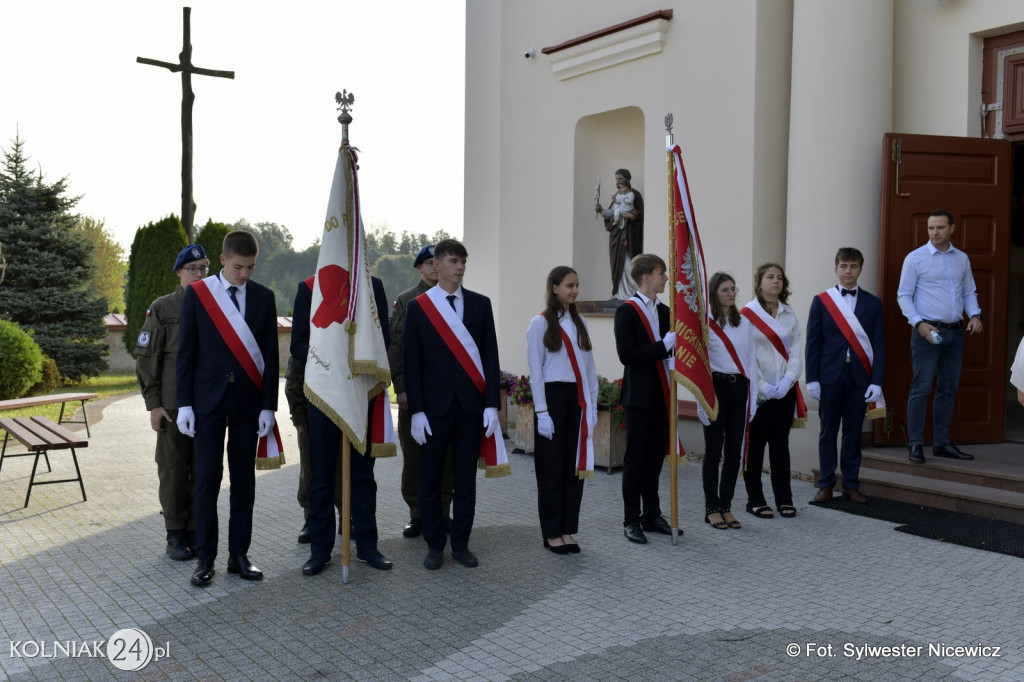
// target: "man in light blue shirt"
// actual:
[[936, 290]]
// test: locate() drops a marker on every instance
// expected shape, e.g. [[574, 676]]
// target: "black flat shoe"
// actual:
[[572, 548], [658, 525], [315, 564], [304, 534], [557, 549], [434, 559], [240, 565], [412, 529], [951, 451], [917, 454], [376, 560], [634, 532], [203, 575], [465, 557]]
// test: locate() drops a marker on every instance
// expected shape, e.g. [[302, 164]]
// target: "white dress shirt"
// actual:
[[937, 285], [770, 365], [460, 303], [546, 366], [239, 294], [650, 306]]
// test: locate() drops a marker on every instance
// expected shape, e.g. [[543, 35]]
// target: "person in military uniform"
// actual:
[[424, 262], [298, 406], [156, 353]]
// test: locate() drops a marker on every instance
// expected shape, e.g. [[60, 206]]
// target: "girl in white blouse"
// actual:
[[564, 385], [733, 362], [780, 356]]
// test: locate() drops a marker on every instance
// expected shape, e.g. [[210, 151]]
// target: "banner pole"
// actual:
[[673, 406], [346, 507]]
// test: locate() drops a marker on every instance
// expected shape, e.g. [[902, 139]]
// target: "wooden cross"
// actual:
[[188, 205]]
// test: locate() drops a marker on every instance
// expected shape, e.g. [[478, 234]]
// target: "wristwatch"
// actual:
[[978, 315]]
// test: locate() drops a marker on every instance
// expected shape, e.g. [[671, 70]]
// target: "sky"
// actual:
[[265, 143]]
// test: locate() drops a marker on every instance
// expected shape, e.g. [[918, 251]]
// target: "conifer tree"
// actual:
[[150, 271], [49, 267]]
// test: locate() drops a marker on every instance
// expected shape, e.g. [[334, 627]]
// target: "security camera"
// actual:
[[529, 53]]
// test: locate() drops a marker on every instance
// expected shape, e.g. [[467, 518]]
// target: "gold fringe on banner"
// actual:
[[270, 463], [497, 471]]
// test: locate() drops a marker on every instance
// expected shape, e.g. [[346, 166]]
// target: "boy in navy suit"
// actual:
[[845, 361], [452, 387], [227, 381], [643, 342]]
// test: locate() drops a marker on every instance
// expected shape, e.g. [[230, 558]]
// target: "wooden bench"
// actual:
[[40, 435], [62, 398]]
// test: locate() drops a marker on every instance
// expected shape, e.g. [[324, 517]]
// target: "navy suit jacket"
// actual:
[[641, 386], [205, 361], [299, 347], [825, 346], [434, 379]]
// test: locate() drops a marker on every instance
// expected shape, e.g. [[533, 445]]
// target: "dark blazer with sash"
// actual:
[[431, 368], [202, 376], [825, 347], [299, 347], [641, 386]]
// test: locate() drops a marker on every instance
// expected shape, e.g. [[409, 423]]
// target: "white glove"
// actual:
[[669, 340], [490, 421], [814, 390], [545, 426], [420, 428], [770, 392], [266, 423], [874, 392], [782, 388], [703, 416], [186, 421]]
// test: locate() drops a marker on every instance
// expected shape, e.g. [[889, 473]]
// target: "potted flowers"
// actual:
[[520, 413], [505, 383], [610, 432]]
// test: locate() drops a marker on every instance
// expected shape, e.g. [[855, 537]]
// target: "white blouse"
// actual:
[[770, 364], [742, 338], [546, 366]]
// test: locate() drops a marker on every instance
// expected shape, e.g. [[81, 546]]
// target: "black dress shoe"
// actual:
[[434, 559], [658, 525], [572, 547], [177, 545], [951, 451], [243, 567], [634, 532], [375, 559], [465, 557], [304, 534], [203, 575], [557, 549], [315, 564], [917, 454], [412, 529]]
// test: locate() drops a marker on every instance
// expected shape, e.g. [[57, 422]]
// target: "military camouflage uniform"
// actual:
[[156, 352]]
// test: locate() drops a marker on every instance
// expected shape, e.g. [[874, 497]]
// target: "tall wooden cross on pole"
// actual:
[[188, 206]]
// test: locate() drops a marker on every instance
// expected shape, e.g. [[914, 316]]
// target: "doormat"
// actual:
[[955, 528]]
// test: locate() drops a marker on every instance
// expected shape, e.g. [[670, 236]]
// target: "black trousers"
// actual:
[[461, 432], [559, 489], [726, 432], [841, 404], [646, 445], [241, 426], [324, 447], [771, 426]]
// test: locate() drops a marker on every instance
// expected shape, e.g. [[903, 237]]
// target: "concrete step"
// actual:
[[968, 498], [999, 466]]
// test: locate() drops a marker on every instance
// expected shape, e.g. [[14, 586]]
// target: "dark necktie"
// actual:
[[849, 292], [231, 292], [451, 299]]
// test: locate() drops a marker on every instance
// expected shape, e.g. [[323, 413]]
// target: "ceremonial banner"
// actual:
[[347, 363], [691, 366]]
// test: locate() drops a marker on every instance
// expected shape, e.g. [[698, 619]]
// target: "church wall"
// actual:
[[705, 75]]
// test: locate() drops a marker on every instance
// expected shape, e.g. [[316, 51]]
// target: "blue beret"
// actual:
[[192, 252], [425, 253]]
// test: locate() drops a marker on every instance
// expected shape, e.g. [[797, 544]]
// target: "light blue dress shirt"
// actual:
[[937, 285]]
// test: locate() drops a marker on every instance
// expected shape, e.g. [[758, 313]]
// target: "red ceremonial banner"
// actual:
[[691, 367]]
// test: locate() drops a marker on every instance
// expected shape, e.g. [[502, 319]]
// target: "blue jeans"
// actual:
[[930, 360]]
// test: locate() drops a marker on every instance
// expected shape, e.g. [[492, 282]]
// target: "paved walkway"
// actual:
[[722, 605]]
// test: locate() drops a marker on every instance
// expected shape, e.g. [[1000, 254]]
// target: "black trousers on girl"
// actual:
[[727, 430], [771, 426], [559, 489]]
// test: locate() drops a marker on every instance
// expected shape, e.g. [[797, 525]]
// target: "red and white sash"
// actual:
[[853, 332], [382, 429], [240, 341], [585, 442], [751, 385], [780, 338], [663, 377], [493, 458]]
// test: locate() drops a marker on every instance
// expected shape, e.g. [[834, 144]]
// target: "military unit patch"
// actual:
[[143, 341]]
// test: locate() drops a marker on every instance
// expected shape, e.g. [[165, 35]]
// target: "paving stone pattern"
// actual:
[[721, 605]]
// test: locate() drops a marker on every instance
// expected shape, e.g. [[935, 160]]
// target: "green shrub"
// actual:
[[20, 361], [50, 380], [150, 276]]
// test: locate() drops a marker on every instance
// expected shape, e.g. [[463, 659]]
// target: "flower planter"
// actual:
[[609, 441], [503, 411], [522, 433]]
